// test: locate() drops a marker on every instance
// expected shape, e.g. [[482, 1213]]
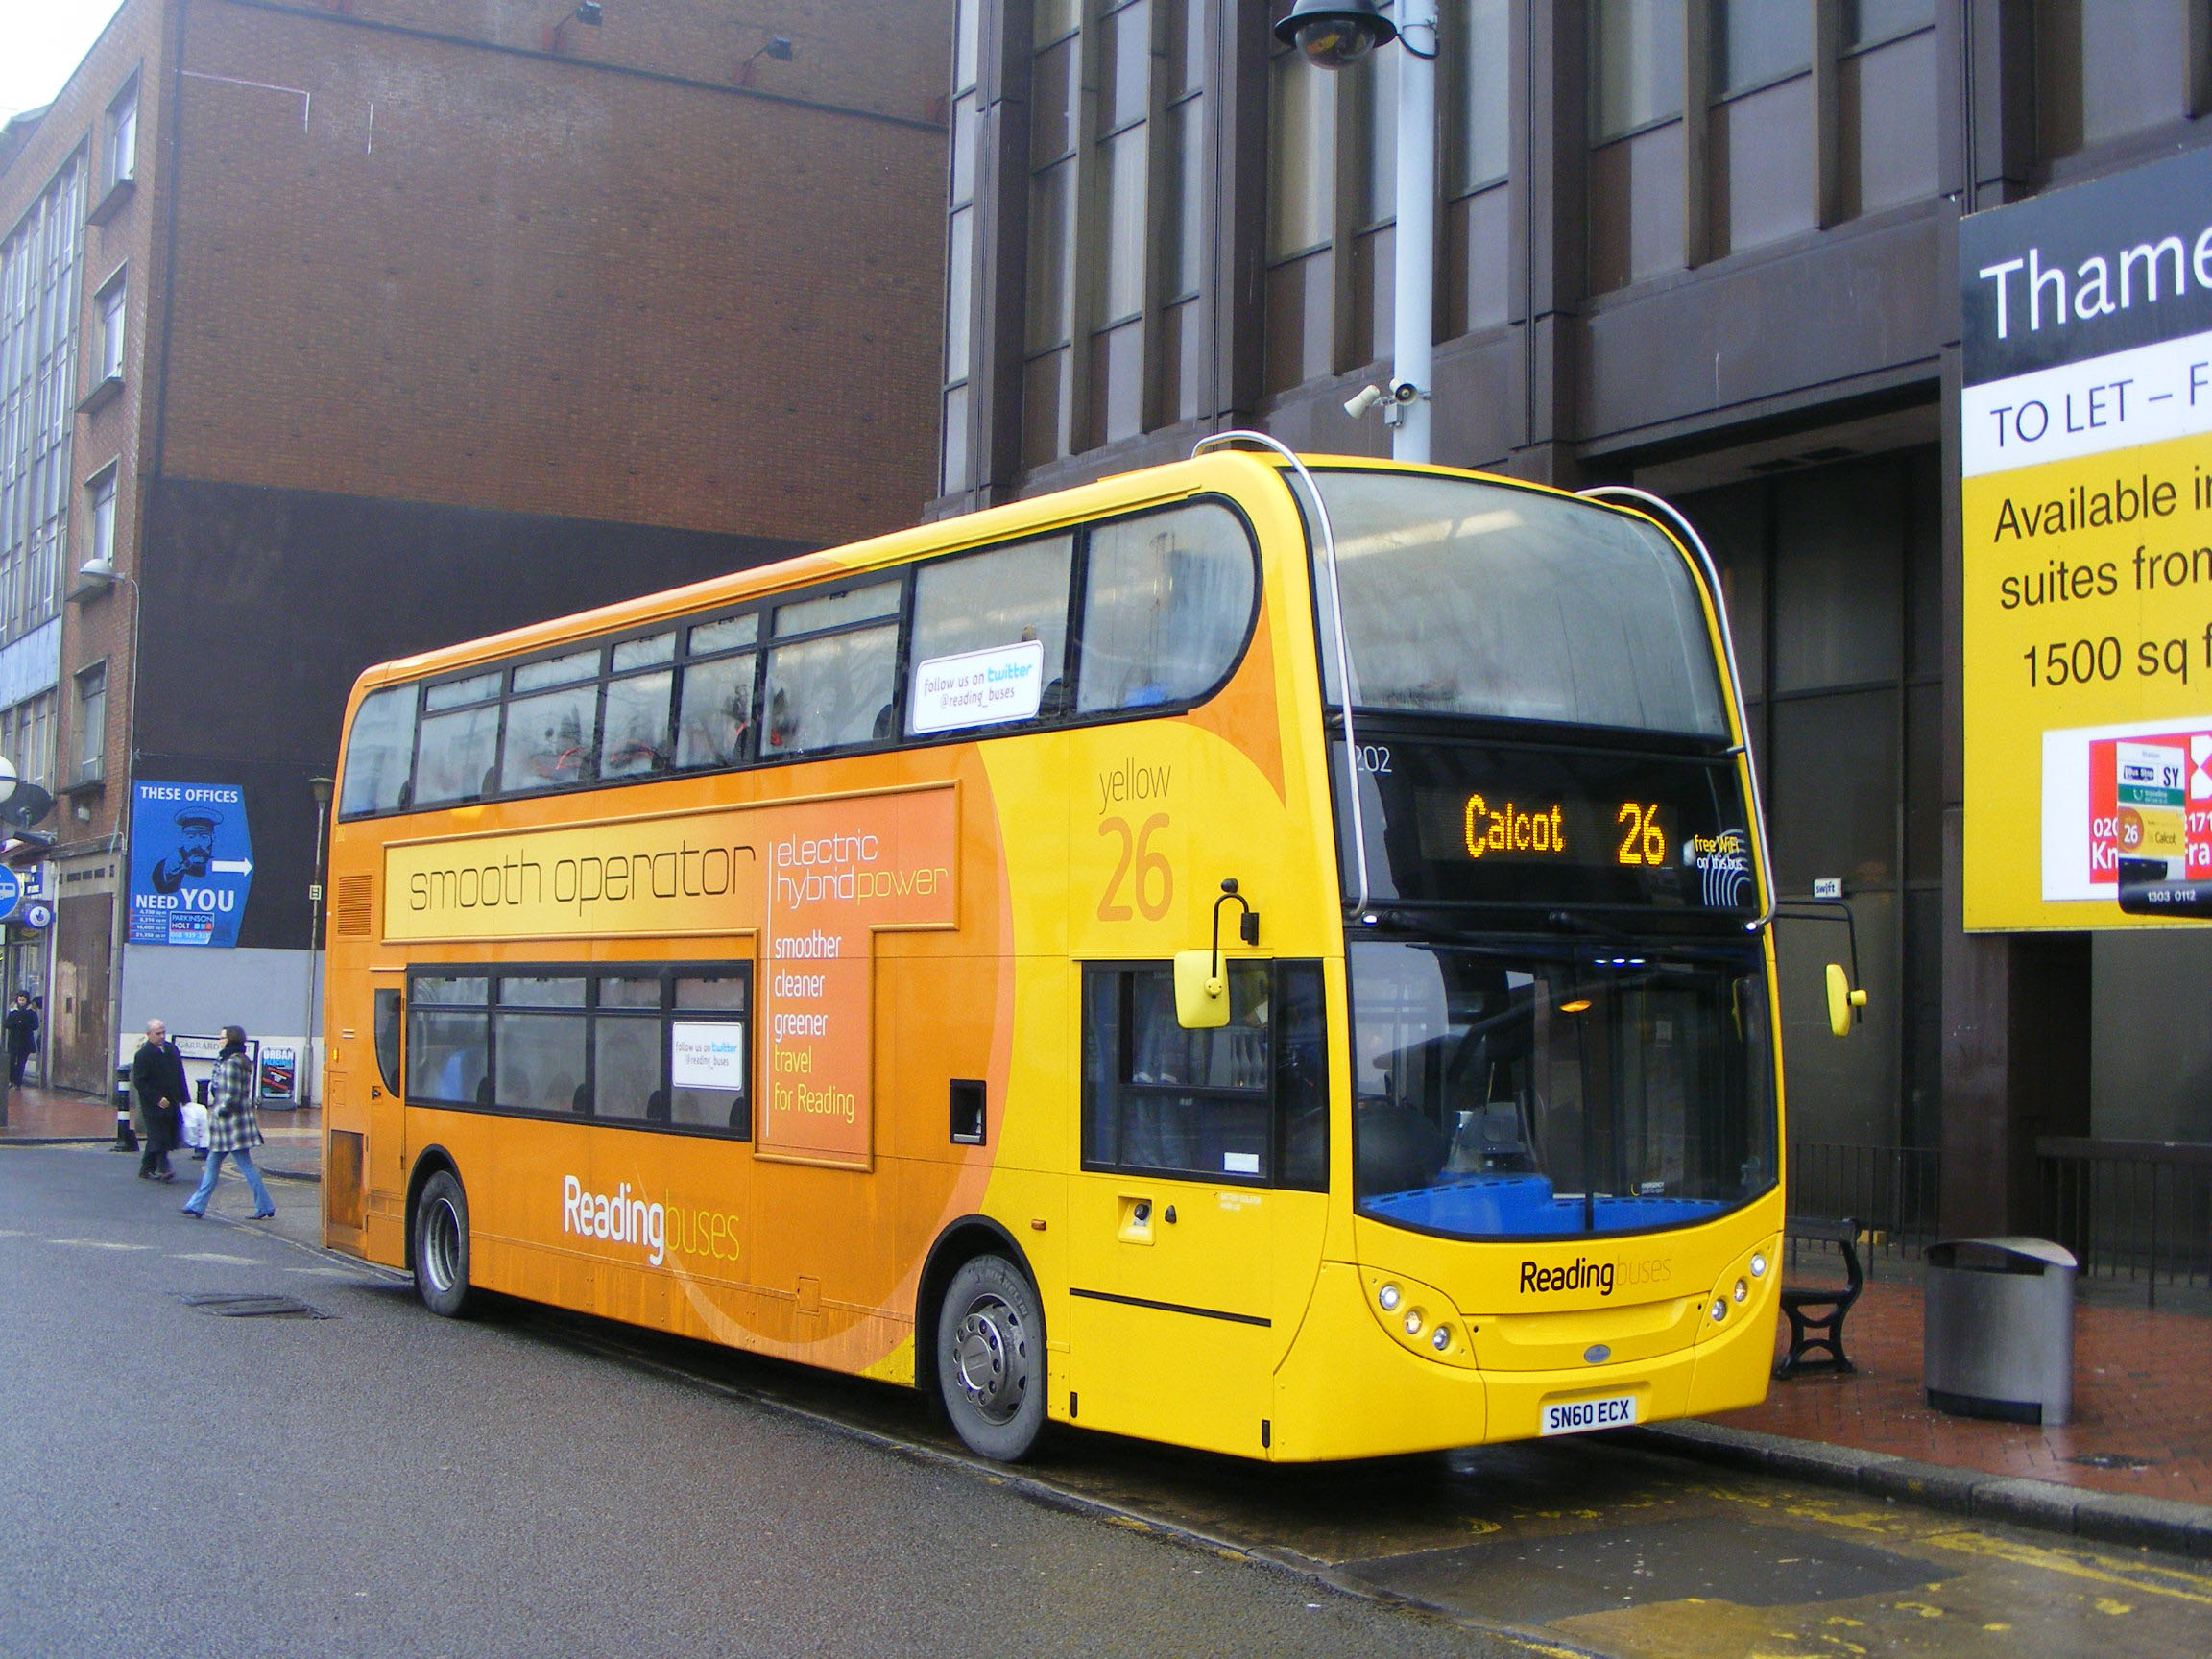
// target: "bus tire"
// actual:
[[442, 1246], [991, 1358]]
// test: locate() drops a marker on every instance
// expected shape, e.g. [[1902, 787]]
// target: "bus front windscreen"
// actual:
[[1482, 600], [1533, 1090]]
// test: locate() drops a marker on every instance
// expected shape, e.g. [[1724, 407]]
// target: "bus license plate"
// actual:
[[1580, 1416]]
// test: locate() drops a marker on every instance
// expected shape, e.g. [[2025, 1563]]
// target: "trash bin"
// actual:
[[1999, 1338]]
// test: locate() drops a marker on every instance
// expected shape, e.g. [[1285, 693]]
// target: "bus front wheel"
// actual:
[[442, 1246], [991, 1358]]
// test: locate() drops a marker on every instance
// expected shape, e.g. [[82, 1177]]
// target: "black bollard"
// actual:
[[126, 1136]]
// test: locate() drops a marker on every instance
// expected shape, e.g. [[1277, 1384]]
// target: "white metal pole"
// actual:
[[1414, 311]]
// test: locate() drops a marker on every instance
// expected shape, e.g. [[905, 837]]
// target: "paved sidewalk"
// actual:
[[2142, 1402], [294, 1138]]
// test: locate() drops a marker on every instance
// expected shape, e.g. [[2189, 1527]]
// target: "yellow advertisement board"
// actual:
[[813, 881], [2086, 524]]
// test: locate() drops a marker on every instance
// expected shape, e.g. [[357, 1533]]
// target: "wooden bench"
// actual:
[[1816, 1313]]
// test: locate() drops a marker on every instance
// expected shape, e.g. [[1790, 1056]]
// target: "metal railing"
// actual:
[[2139, 1210], [1892, 1191]]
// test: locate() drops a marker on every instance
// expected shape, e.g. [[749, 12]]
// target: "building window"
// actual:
[[1183, 173], [39, 306], [2106, 68], [123, 136], [1638, 83], [1481, 42], [112, 302], [1056, 103], [100, 502], [960, 240], [1475, 95], [27, 740], [91, 723], [1756, 44], [1636, 76]]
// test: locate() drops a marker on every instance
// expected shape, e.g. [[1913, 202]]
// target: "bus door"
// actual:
[[383, 1152], [1178, 1216]]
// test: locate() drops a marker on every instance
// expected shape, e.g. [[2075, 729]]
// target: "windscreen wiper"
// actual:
[[1567, 922]]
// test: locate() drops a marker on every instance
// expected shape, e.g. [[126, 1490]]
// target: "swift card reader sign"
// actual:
[[191, 863]]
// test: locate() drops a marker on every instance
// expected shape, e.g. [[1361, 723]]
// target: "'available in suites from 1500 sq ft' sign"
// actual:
[[2087, 515]]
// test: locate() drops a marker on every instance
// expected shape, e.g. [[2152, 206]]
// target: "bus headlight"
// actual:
[[1442, 1339], [1741, 1289], [1758, 1264], [1387, 1297], [1720, 1309], [1412, 1321]]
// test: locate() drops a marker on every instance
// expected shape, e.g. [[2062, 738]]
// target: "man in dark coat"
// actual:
[[22, 1024], [157, 1079]]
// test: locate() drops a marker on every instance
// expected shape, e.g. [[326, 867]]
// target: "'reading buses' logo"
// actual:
[[623, 1218], [1584, 1274], [615, 1216]]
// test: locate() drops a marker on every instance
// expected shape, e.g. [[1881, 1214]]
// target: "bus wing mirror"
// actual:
[[1201, 990], [1843, 1002]]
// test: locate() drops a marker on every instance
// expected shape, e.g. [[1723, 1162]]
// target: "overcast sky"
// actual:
[[40, 42]]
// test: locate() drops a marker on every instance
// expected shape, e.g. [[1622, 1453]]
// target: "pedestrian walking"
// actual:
[[158, 1080], [23, 1025], [233, 1128]]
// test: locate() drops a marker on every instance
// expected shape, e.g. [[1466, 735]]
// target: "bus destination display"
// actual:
[[1460, 823]]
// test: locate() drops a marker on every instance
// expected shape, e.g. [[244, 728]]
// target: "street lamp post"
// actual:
[[1334, 34], [321, 789]]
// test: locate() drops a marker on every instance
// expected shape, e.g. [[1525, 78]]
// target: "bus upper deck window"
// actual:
[[714, 723], [1001, 612], [379, 752], [457, 756], [831, 693], [635, 742], [552, 740], [1167, 605]]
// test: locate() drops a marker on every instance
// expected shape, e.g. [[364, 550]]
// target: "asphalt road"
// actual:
[[383, 1482], [182, 1481]]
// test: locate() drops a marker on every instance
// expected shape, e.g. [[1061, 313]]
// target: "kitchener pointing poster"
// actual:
[[191, 863]]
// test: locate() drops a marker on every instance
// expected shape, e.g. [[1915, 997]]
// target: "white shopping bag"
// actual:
[[195, 1125]]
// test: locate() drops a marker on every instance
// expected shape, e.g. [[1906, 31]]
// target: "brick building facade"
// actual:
[[341, 330]]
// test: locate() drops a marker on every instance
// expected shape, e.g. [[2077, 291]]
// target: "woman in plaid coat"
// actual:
[[233, 1128]]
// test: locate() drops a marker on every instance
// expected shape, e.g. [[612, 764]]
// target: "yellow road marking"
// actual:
[[2097, 1568]]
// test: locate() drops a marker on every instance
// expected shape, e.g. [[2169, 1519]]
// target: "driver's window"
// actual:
[[388, 1027]]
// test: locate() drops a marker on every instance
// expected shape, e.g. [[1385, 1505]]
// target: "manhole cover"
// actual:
[[2113, 1461], [250, 1304]]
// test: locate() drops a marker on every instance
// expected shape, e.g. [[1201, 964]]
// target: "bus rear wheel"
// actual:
[[442, 1246], [991, 1358]]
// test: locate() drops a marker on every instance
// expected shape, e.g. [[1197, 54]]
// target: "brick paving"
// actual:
[[2142, 1395], [295, 1139]]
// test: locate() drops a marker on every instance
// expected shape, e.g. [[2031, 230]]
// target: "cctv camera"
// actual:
[[1363, 400]]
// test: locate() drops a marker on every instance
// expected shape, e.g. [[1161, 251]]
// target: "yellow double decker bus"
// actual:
[[1264, 955]]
